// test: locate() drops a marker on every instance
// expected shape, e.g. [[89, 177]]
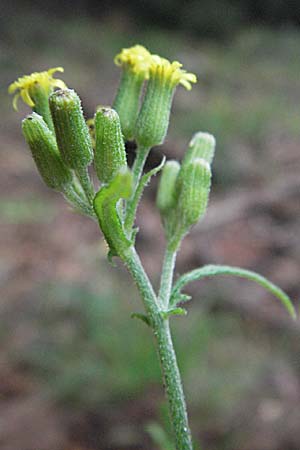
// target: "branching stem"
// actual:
[[165, 349]]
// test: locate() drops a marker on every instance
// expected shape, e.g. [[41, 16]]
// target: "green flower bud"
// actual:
[[110, 155], [191, 201], [202, 145], [166, 194], [193, 197], [135, 62], [71, 130], [45, 153], [153, 119]]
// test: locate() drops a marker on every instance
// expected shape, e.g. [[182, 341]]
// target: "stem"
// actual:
[[138, 165], [173, 387], [137, 171], [167, 277], [78, 202], [165, 349], [83, 177]]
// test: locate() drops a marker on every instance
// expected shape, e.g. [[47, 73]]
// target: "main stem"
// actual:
[[167, 277], [166, 352]]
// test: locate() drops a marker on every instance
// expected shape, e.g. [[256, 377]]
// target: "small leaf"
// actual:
[[173, 312], [105, 205], [142, 317], [212, 270]]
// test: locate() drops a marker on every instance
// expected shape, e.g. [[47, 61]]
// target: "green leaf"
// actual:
[[212, 270], [105, 205], [142, 317], [173, 312], [133, 204], [159, 436]]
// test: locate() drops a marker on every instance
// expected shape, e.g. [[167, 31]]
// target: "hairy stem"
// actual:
[[72, 195], [138, 165], [167, 277], [166, 352], [84, 178], [137, 171]]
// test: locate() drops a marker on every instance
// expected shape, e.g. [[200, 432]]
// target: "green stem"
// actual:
[[167, 277], [166, 352], [78, 202], [85, 181], [138, 165], [137, 171]]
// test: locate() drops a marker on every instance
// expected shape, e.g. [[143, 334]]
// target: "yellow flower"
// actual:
[[171, 72], [136, 58], [24, 84]]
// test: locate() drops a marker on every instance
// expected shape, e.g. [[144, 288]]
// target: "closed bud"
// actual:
[[71, 130], [192, 199], [166, 194], [202, 145], [45, 153], [110, 155]]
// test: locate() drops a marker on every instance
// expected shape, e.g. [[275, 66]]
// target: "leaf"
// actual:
[[142, 317], [133, 203], [159, 436], [212, 270], [173, 312], [105, 206]]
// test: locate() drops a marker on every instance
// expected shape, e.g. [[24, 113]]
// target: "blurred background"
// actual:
[[76, 372]]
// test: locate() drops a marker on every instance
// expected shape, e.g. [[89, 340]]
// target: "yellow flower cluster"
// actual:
[[171, 72], [24, 84], [142, 62], [137, 58]]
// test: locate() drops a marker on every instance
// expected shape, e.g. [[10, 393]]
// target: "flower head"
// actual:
[[171, 72], [136, 58], [24, 84]]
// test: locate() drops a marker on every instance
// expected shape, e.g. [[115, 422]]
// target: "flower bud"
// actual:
[[202, 145], [71, 131], [110, 155], [45, 153], [192, 199], [166, 194], [153, 119]]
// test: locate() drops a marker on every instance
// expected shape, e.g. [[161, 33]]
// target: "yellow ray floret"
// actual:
[[137, 58], [24, 84], [171, 72]]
